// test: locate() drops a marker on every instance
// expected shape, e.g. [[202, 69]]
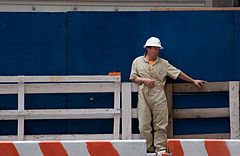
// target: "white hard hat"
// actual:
[[153, 41]]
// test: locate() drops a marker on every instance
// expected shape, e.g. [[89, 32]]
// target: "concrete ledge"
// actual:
[[74, 148]]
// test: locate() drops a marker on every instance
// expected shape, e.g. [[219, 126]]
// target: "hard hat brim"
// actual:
[[153, 46]]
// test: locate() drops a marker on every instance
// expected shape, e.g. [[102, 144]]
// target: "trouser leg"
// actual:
[[160, 122], [145, 128]]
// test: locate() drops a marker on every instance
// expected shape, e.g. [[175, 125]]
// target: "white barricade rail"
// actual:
[[73, 148], [203, 147], [232, 87], [22, 85]]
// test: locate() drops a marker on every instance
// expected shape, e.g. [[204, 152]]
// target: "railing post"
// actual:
[[168, 92], [116, 125], [126, 111], [20, 108], [234, 109]]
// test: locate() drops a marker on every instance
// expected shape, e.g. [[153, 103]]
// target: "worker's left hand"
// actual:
[[199, 83]]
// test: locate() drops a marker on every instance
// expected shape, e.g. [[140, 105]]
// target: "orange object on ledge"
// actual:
[[114, 74]]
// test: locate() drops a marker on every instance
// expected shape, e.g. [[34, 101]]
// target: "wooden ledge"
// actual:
[[196, 9]]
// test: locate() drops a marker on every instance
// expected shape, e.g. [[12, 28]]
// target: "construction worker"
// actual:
[[150, 72]]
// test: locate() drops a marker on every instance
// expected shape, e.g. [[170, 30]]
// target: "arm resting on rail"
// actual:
[[197, 83]]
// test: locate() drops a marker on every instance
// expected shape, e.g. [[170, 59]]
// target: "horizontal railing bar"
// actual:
[[195, 113], [134, 112], [59, 114], [191, 88], [134, 87], [200, 113], [104, 87], [194, 136], [58, 88], [8, 88], [69, 88], [87, 78], [208, 87]]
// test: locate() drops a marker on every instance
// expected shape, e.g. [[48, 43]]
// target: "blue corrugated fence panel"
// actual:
[[200, 43], [203, 44], [32, 44], [203, 100], [201, 126], [237, 46]]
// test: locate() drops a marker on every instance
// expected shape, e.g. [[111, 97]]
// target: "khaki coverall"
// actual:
[[152, 102]]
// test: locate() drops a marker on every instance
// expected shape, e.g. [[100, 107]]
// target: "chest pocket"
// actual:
[[159, 73]]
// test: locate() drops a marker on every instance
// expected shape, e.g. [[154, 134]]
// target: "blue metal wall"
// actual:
[[203, 44], [33, 44]]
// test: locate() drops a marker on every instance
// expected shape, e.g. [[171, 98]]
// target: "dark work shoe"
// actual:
[[151, 150]]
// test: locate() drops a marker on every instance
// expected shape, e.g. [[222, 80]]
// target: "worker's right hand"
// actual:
[[149, 82]]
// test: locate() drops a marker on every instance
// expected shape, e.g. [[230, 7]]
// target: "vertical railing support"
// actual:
[[20, 108], [126, 111], [168, 91], [234, 109], [116, 125]]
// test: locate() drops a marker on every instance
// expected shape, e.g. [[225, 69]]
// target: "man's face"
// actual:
[[153, 52]]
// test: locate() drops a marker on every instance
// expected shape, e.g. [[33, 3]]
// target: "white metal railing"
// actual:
[[60, 84]]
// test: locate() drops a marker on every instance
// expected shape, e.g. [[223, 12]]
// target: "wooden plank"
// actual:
[[20, 131], [203, 136], [59, 114], [10, 114], [8, 88], [116, 124], [234, 109], [195, 113], [208, 87], [197, 9], [88, 78], [49, 88], [9, 79], [58, 88], [168, 91], [192, 136], [134, 87], [69, 88], [189, 87], [201, 113], [134, 113], [126, 111]]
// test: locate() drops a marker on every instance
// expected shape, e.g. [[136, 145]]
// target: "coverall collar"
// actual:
[[156, 61]]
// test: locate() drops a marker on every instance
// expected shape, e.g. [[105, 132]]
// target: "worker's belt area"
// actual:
[[156, 86]]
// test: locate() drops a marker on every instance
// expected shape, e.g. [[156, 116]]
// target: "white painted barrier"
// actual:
[[176, 147], [203, 147], [73, 148]]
